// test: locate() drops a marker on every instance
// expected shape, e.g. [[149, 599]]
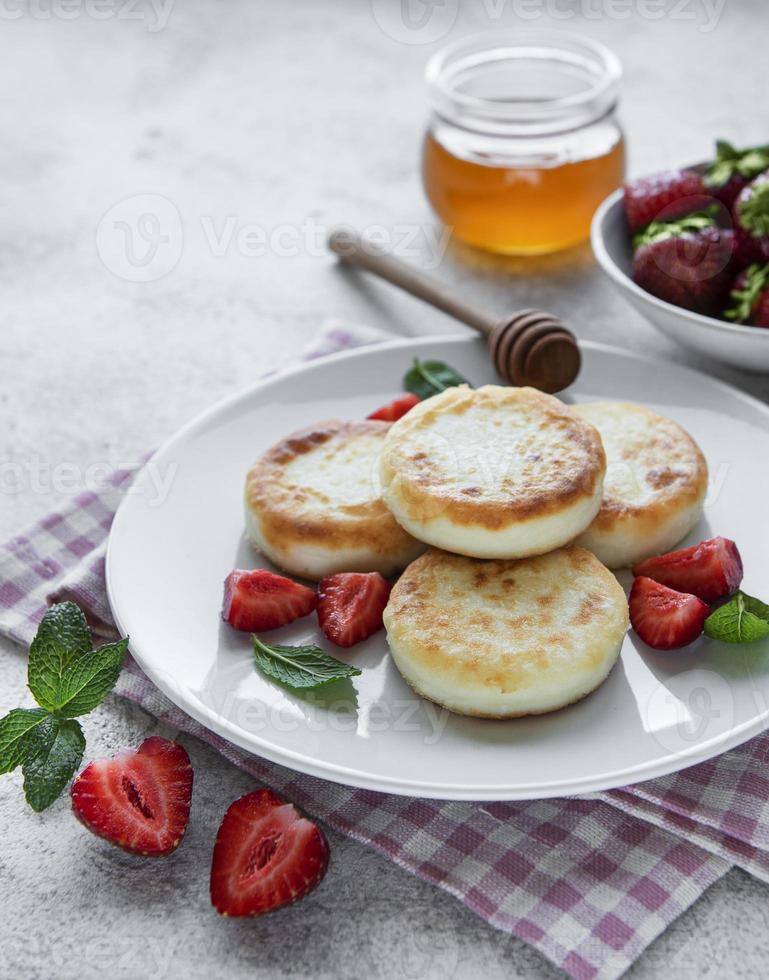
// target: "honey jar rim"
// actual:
[[570, 53]]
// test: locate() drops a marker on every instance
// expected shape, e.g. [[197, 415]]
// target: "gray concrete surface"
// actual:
[[245, 118]]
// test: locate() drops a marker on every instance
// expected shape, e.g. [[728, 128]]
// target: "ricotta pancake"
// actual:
[[314, 506], [493, 472], [655, 483], [498, 639]]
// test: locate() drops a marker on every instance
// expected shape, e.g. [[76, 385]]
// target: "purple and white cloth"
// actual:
[[588, 881]]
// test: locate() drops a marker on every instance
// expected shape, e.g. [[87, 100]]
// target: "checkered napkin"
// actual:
[[588, 881]]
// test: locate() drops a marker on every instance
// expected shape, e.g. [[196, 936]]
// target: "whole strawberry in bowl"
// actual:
[[689, 262]]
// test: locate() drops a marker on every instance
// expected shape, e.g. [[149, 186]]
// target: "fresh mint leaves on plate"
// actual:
[[300, 667], [742, 619], [67, 678], [428, 378]]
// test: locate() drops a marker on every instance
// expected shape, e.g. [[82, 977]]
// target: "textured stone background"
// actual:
[[273, 114]]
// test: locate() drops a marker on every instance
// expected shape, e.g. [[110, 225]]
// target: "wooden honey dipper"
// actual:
[[529, 347]]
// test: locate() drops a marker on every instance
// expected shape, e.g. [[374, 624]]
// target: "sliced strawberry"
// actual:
[[261, 600], [266, 855], [350, 606], [395, 409], [710, 570], [663, 618], [140, 799]]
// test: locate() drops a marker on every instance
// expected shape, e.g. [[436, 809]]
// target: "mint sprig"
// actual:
[[67, 678], [743, 619], [299, 667], [428, 378]]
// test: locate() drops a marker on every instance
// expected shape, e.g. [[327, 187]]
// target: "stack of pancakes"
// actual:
[[505, 506]]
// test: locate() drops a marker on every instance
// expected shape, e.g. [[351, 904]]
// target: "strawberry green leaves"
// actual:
[[299, 667], [730, 162], [742, 619], [67, 678]]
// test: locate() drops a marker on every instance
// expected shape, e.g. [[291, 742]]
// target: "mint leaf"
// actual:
[[62, 636], [89, 679], [17, 732], [428, 378], [742, 619], [58, 747], [300, 667]]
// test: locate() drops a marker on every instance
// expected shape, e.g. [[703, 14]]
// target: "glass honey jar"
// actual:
[[523, 142]]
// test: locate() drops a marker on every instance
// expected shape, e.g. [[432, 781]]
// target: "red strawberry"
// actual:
[[140, 799], [689, 262], [677, 192], [350, 606], [261, 600], [663, 618], [733, 169], [751, 216], [750, 297], [395, 409], [710, 570], [266, 855]]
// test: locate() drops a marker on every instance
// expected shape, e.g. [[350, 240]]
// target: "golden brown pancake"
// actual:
[[499, 639], [314, 505], [654, 488], [493, 472]]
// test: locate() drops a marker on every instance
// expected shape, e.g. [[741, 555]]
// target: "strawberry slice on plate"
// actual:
[[395, 409], [140, 799], [266, 856], [350, 606], [260, 600], [663, 618], [710, 570]]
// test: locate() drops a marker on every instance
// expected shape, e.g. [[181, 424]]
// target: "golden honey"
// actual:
[[523, 143], [519, 210]]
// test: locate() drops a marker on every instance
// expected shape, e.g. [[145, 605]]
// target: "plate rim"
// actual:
[[258, 746]]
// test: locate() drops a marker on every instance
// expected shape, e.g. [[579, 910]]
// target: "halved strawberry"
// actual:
[[260, 600], [395, 409], [140, 799], [710, 570], [350, 606], [266, 855], [663, 618]]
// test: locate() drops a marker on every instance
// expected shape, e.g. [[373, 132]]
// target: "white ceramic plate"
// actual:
[[656, 713]]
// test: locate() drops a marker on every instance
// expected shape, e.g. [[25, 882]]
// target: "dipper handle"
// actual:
[[529, 347]]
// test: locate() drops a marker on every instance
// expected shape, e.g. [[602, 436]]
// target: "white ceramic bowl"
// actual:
[[744, 347]]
